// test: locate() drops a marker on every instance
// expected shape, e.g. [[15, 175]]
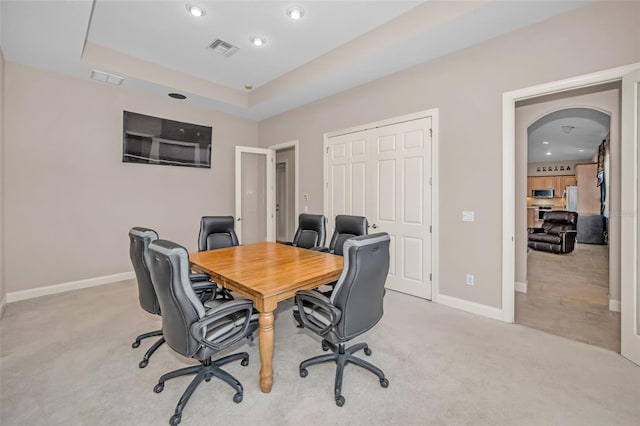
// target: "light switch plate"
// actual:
[[467, 216]]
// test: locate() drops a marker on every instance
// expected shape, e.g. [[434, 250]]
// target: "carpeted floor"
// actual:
[[567, 295], [67, 360]]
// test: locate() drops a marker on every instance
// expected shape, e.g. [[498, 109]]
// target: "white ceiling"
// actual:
[[587, 128], [159, 48]]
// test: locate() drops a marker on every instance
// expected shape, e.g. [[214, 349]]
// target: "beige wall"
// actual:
[[607, 101], [69, 199], [467, 87], [3, 290]]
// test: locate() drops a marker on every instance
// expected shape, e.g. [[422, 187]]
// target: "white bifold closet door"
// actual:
[[384, 173]]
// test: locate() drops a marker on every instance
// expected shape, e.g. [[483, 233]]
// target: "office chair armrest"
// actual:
[[536, 230], [203, 285], [322, 249], [196, 278], [320, 302], [223, 311]]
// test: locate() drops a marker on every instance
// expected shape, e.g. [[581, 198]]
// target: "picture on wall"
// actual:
[[154, 140]]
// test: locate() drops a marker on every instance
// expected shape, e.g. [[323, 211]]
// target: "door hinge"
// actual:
[[430, 229], [430, 181], [431, 132], [430, 277], [327, 150]]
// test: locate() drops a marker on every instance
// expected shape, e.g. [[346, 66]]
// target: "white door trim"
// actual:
[[433, 113], [296, 189], [508, 166]]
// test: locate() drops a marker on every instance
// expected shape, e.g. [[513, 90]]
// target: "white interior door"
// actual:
[[384, 173], [347, 185], [630, 220], [255, 204], [401, 202], [282, 206]]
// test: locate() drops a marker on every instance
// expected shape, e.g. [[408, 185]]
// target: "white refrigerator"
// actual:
[[571, 198]]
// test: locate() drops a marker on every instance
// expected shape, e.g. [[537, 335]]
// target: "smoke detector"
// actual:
[[223, 48]]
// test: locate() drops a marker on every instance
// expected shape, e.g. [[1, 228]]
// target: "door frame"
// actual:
[[509, 100], [270, 171], [433, 113], [296, 188]]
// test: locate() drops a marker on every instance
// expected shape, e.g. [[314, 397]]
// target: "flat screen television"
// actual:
[[153, 140]]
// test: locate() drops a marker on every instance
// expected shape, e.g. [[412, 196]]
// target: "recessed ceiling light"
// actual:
[[581, 150], [295, 12], [545, 143], [195, 10], [248, 86], [548, 153], [177, 96], [258, 41]]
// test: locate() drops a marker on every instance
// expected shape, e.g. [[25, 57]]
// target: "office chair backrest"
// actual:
[[347, 227], [311, 231], [217, 232], [169, 266], [139, 240], [360, 289]]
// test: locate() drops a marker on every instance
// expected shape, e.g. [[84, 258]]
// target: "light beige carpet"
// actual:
[[67, 360], [567, 295]]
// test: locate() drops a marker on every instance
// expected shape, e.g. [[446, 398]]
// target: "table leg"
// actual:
[[265, 341]]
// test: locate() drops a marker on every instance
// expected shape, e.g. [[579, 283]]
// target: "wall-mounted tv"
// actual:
[[153, 140]]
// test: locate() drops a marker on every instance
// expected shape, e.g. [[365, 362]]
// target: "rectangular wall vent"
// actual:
[[223, 48]]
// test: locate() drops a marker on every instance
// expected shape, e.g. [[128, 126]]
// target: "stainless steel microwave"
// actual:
[[542, 193]]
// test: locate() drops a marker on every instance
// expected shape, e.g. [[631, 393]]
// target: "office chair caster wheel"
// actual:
[[367, 351], [237, 398], [158, 388], [339, 400], [384, 383], [325, 347], [175, 420], [303, 373], [244, 362], [135, 344], [143, 363]]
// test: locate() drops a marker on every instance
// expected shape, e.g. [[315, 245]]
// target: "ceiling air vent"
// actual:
[[223, 48]]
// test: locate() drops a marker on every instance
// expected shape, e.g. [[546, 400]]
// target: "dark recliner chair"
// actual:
[[193, 331], [217, 232], [311, 231], [557, 234], [355, 306], [139, 240]]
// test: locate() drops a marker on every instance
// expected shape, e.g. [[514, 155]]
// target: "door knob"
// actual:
[[238, 219], [374, 226]]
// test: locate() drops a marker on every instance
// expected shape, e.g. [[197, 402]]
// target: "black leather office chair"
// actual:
[[139, 240], [311, 231], [217, 232], [347, 227], [355, 306], [190, 329]]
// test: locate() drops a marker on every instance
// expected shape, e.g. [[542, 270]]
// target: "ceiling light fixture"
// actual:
[[248, 86], [295, 12], [195, 10], [548, 153], [545, 143], [581, 150], [567, 129], [258, 41]]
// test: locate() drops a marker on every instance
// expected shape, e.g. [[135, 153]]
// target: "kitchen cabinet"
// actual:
[[569, 181], [531, 217], [588, 189], [558, 186], [557, 183], [529, 185]]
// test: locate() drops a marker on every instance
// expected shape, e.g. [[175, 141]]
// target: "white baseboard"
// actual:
[[61, 288], [474, 308], [521, 287], [614, 305], [3, 305]]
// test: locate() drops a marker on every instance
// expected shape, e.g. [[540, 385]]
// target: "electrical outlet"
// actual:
[[468, 216], [305, 196], [470, 279]]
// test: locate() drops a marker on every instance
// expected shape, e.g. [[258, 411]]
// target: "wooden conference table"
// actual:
[[267, 273]]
